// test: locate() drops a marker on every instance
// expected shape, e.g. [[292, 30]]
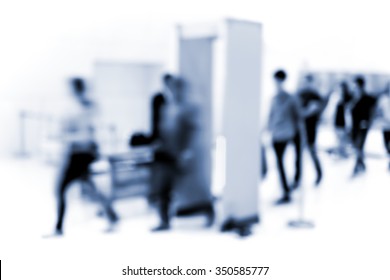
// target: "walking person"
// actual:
[[173, 152], [80, 150], [285, 125], [362, 116], [312, 105]]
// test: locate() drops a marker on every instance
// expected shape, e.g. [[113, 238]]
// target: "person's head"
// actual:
[[359, 84], [308, 80], [280, 77], [167, 80], [77, 86], [79, 91], [359, 81]]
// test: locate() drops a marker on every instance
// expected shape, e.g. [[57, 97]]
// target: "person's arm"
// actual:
[[318, 102], [314, 108], [313, 105]]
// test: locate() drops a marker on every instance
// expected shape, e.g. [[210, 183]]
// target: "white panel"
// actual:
[[241, 119]]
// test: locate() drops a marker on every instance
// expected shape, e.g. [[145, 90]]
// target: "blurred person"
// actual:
[[285, 125], [312, 105], [173, 150], [362, 113], [80, 150]]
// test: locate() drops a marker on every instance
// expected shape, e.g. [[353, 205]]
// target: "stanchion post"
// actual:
[[301, 222]]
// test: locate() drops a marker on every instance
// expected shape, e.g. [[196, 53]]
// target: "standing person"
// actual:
[[312, 105], [173, 153], [80, 150], [284, 125], [384, 107], [362, 117]]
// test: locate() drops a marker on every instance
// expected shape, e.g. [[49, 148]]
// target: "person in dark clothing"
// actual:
[[362, 117], [312, 105], [80, 150], [285, 126], [173, 152]]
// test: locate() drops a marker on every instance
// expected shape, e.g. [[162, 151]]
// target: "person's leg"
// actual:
[[363, 142], [355, 134], [163, 179], [104, 201], [75, 169], [311, 129], [298, 160], [67, 177], [355, 139], [280, 148], [359, 144], [165, 203], [316, 161], [386, 140], [342, 141], [88, 188]]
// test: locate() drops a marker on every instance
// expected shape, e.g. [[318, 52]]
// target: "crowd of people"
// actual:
[[294, 119]]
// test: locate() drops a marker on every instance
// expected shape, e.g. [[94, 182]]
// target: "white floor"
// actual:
[[350, 239]]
